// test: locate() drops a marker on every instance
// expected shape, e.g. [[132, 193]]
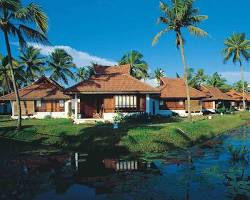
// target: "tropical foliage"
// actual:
[[24, 22], [216, 80], [32, 63], [139, 67], [60, 64], [177, 16], [196, 79], [158, 74], [237, 48]]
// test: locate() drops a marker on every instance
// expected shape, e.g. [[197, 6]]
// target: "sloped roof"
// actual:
[[43, 88], [114, 79], [121, 69], [238, 96], [175, 88], [213, 93]]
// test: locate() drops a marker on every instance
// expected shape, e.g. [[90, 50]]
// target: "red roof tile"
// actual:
[[175, 88], [43, 88], [112, 80], [213, 93]]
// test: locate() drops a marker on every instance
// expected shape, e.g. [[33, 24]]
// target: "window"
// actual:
[[125, 101], [61, 103], [181, 103], [161, 102], [38, 103]]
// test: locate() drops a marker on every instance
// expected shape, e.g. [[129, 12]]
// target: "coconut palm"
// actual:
[[24, 22], [216, 80], [84, 73], [238, 86], [237, 48], [179, 15], [139, 68], [60, 65], [158, 74], [5, 75], [32, 62], [198, 78]]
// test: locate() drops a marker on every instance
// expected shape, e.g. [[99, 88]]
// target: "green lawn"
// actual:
[[155, 136]]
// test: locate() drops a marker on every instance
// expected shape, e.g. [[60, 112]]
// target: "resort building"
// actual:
[[173, 98], [214, 98], [43, 98], [238, 99], [111, 90]]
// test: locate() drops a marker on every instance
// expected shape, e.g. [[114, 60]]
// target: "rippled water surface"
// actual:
[[206, 172]]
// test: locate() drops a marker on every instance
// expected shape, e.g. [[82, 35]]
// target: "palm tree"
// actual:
[[32, 63], [237, 48], [84, 73], [139, 68], [158, 74], [17, 20], [60, 64], [238, 86], [198, 78], [178, 16], [5, 75], [216, 80]]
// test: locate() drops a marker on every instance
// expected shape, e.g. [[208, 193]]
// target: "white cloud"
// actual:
[[234, 76], [80, 58]]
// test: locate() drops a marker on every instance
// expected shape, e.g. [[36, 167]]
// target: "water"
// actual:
[[206, 172]]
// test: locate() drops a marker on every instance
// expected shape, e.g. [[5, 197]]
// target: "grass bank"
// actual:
[[155, 136]]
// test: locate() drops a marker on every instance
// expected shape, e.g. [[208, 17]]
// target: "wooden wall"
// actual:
[[196, 105], [173, 105], [27, 108], [208, 104], [50, 106]]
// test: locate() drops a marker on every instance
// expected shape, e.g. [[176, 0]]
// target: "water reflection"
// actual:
[[203, 172]]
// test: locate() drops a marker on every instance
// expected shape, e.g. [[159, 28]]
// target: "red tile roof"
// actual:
[[122, 69], [43, 88], [213, 93], [238, 96], [112, 80], [175, 88]]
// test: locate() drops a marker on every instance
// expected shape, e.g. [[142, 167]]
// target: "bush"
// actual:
[[47, 117]]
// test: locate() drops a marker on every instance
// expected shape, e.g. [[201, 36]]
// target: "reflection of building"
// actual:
[[122, 165]]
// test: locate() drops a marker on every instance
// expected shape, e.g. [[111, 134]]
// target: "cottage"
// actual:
[[42, 98], [238, 99], [214, 98], [173, 98], [112, 89]]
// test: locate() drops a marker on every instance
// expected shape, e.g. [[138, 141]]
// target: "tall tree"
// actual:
[[24, 22], [32, 63], [197, 79], [158, 74], [237, 48], [5, 75], [179, 15], [60, 65], [216, 80], [139, 67], [238, 86], [84, 73]]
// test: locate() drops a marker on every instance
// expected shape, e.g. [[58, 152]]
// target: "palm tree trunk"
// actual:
[[19, 121], [243, 86], [185, 75]]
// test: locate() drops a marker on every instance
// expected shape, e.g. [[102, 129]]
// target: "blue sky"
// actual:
[[109, 28]]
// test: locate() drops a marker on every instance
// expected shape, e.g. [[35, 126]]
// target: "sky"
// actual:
[[103, 30]]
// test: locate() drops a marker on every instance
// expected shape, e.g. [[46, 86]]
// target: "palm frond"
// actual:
[[197, 31], [158, 35]]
